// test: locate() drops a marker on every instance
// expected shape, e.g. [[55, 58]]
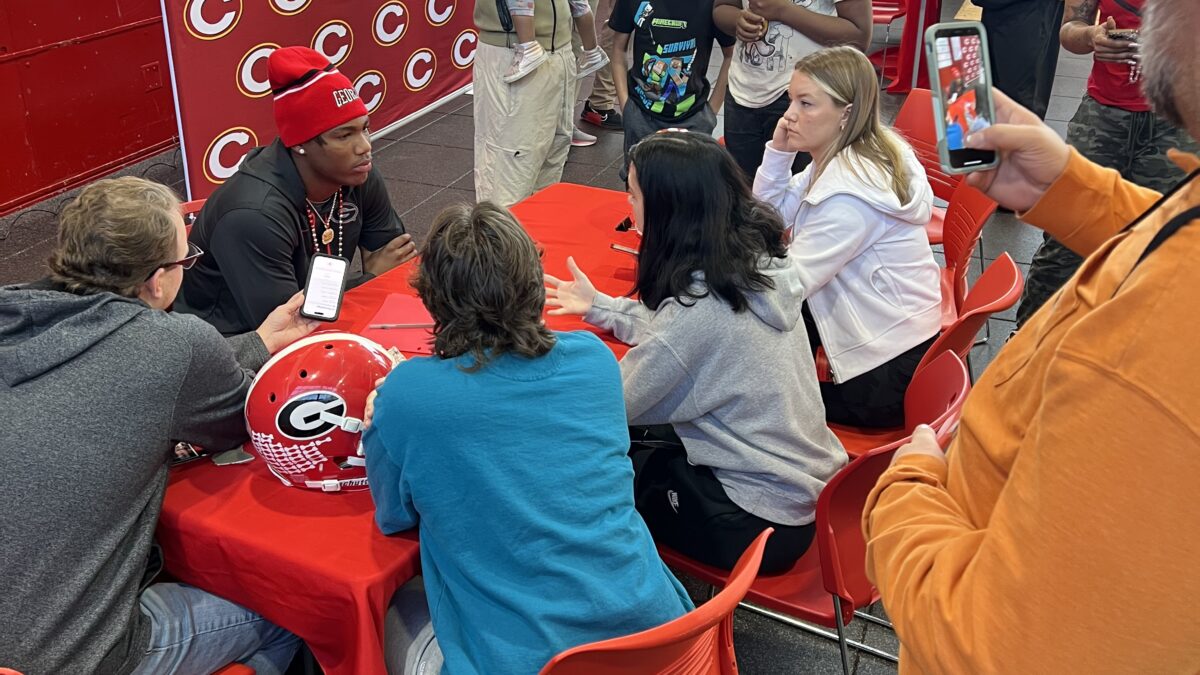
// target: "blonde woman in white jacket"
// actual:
[[857, 217]]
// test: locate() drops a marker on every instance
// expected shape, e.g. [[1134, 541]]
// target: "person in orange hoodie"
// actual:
[[1059, 532]]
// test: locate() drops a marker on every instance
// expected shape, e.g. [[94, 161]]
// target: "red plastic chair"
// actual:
[[190, 211], [235, 669], [916, 124], [884, 13], [969, 210], [827, 585], [698, 643], [996, 290], [936, 391]]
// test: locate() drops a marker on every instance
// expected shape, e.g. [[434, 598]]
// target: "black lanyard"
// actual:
[[1170, 228], [1129, 8]]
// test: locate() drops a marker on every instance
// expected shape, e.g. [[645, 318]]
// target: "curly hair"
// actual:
[[700, 216], [114, 235], [480, 277]]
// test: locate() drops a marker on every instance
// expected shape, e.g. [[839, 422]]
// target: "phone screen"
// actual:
[[965, 92], [323, 293]]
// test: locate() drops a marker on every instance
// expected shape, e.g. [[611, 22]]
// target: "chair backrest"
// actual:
[[190, 211], [968, 211], [996, 290], [937, 391], [697, 643], [916, 124], [934, 397], [235, 669]]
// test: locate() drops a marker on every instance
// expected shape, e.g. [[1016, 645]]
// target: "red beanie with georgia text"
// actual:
[[311, 96]]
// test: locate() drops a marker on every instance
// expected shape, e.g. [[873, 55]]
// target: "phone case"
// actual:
[[341, 295], [939, 112]]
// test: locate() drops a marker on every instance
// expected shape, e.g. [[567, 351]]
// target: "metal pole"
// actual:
[[815, 630], [918, 45]]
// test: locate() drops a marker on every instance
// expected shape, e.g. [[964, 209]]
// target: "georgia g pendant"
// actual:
[[327, 236]]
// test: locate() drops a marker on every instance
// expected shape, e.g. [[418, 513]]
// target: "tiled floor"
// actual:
[[427, 165]]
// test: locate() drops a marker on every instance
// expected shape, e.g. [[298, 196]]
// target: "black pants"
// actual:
[[874, 399], [686, 508], [747, 131], [1024, 47]]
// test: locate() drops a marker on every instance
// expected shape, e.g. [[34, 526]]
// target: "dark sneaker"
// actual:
[[605, 119]]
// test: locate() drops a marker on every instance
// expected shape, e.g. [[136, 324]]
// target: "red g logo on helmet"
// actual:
[[248, 82], [439, 17], [219, 158], [305, 408], [419, 70], [462, 54], [337, 35], [393, 14], [289, 7], [372, 88], [206, 21]]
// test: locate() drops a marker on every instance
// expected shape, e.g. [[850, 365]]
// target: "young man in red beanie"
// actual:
[[311, 191]]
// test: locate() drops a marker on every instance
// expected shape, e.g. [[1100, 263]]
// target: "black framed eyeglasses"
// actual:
[[193, 254]]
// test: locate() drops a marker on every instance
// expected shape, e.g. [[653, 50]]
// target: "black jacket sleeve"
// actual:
[[254, 253], [381, 224]]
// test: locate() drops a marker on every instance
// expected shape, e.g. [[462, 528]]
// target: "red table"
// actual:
[[315, 563]]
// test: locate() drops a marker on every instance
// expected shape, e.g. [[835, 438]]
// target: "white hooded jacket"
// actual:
[[869, 276]]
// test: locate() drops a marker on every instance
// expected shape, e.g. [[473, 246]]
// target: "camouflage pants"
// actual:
[[1133, 143]]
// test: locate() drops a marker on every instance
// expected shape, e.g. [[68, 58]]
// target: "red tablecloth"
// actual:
[[315, 563]]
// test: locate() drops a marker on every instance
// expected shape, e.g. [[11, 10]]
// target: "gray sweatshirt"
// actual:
[[740, 389], [94, 390]]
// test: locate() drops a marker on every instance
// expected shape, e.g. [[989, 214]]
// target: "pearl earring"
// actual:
[[300, 150]]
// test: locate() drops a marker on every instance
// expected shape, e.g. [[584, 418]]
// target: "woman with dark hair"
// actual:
[[719, 354], [530, 543]]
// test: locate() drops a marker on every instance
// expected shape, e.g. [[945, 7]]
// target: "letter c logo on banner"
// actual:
[[247, 83], [201, 28], [217, 168], [435, 17], [383, 36], [463, 53], [424, 62], [372, 88], [289, 7], [334, 29]]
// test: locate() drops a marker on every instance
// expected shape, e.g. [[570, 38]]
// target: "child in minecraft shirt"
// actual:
[[666, 85]]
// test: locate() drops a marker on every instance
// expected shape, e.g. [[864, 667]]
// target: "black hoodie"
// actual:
[[255, 233], [94, 390]]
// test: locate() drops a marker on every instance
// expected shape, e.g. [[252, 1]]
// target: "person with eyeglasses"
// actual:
[[97, 384]]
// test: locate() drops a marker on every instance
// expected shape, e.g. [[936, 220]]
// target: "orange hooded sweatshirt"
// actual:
[[1062, 535]]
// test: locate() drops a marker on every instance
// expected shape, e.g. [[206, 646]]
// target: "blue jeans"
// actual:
[[196, 632]]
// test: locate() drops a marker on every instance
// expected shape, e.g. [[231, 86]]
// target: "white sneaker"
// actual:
[[527, 56], [590, 61], [580, 139]]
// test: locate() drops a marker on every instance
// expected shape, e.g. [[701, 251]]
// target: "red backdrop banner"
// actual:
[[403, 56]]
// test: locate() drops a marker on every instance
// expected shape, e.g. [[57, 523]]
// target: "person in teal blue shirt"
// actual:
[[507, 450]]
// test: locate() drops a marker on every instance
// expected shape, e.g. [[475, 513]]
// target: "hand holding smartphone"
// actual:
[[325, 286], [961, 77]]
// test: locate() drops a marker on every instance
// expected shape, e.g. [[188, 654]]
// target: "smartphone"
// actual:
[[325, 287], [231, 457], [962, 92]]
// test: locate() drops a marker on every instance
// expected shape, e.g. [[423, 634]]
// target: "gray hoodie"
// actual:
[[94, 389], [740, 389]]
